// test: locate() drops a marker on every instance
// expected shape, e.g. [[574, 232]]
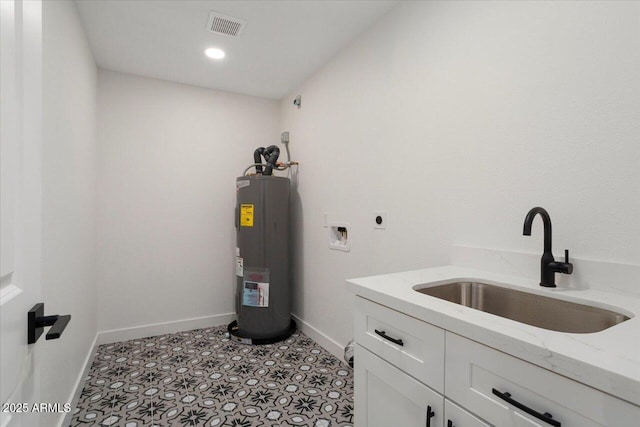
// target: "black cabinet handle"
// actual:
[[387, 337], [546, 417], [450, 423], [430, 415]]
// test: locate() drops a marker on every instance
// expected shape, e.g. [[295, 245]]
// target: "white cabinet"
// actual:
[[507, 391], [455, 416], [409, 373], [386, 397], [410, 344]]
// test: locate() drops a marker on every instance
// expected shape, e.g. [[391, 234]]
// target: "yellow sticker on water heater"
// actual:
[[246, 215]]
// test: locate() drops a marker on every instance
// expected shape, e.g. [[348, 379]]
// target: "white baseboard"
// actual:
[[323, 340], [77, 387], [125, 334]]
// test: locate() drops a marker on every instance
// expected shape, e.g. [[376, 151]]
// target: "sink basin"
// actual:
[[524, 307]]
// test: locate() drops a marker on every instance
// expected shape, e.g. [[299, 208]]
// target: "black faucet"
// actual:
[[548, 265]]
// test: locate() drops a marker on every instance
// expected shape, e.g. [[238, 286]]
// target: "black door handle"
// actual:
[[546, 417], [387, 337], [36, 321], [450, 423], [430, 415]]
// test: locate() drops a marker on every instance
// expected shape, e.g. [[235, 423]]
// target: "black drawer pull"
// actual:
[[450, 423], [546, 417], [430, 415], [387, 337]]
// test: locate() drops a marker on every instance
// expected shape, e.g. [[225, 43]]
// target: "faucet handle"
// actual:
[[569, 266]]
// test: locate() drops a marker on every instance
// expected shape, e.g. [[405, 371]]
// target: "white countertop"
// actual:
[[608, 360]]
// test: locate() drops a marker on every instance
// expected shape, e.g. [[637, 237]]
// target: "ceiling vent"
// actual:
[[225, 24]]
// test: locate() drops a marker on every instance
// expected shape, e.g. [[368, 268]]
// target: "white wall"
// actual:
[[68, 205], [457, 118], [168, 158]]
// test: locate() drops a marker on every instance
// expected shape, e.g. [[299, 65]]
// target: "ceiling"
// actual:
[[282, 43]]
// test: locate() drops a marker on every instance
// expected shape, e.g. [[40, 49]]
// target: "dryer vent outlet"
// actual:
[[225, 25]]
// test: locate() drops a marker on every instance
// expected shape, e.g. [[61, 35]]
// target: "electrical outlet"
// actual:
[[380, 220]]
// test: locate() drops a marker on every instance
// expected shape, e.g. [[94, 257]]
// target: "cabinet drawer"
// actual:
[[455, 416], [413, 346], [501, 389], [385, 396]]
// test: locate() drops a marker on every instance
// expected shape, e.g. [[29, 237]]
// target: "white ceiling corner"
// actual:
[[282, 44]]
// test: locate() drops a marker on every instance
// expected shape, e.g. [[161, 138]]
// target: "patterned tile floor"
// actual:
[[201, 378]]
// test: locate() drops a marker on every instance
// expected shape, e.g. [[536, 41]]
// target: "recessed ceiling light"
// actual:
[[214, 53]]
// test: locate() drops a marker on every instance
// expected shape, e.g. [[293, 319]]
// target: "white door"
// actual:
[[20, 204], [458, 417], [385, 396]]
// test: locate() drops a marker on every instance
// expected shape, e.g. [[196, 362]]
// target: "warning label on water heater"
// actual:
[[246, 215], [255, 294]]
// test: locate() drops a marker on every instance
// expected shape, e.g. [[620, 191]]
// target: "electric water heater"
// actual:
[[263, 288]]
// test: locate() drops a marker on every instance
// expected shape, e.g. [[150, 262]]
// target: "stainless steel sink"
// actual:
[[524, 307]]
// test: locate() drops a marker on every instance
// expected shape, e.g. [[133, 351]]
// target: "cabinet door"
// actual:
[[385, 396], [455, 416], [507, 391]]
